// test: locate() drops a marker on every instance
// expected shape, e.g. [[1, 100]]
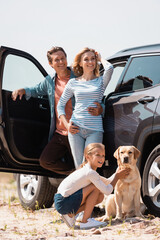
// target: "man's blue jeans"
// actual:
[[80, 140]]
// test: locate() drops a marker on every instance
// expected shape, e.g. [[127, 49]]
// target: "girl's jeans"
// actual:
[[80, 140]]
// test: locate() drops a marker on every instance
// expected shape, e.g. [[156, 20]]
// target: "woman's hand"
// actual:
[[98, 55], [73, 129]]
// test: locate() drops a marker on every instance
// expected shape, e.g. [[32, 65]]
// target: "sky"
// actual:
[[108, 26]]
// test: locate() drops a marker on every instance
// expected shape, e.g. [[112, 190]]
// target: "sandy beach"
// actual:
[[17, 223]]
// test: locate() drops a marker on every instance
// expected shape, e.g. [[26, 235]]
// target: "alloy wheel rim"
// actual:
[[28, 186], [154, 182]]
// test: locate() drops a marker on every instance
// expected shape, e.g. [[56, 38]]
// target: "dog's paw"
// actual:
[[99, 219], [140, 215], [103, 218], [118, 217], [118, 220]]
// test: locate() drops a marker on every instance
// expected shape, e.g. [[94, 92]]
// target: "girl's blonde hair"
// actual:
[[89, 149], [77, 69]]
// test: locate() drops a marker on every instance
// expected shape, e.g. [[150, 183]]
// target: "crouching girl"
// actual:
[[85, 188]]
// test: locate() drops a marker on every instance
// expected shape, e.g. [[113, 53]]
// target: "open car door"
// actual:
[[24, 125]]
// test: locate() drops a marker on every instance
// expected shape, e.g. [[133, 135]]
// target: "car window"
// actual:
[[142, 72], [118, 68], [20, 72]]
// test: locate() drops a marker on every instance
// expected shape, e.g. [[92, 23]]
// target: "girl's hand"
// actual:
[[122, 173], [73, 129]]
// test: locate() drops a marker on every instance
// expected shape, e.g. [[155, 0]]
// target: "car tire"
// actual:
[[151, 182], [34, 191]]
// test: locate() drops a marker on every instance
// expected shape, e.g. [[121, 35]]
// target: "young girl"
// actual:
[[84, 188], [88, 89]]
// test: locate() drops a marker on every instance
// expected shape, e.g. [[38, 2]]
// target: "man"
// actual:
[[58, 145]]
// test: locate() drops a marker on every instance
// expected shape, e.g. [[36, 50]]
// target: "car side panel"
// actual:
[[127, 120], [156, 123]]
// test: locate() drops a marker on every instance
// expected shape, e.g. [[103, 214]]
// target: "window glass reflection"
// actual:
[[19, 72], [143, 72]]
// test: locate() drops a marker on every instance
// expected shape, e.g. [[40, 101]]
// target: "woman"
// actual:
[[88, 87], [85, 188]]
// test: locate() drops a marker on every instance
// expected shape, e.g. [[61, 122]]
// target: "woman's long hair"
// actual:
[[77, 69]]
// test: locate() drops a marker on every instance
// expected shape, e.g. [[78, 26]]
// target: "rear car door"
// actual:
[[129, 112], [24, 125]]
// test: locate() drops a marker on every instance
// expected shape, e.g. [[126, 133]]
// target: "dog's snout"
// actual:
[[125, 159]]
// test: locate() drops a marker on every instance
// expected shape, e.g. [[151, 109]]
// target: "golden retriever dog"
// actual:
[[125, 202]]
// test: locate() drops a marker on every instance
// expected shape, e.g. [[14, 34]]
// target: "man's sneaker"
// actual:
[[92, 223], [79, 216], [68, 220]]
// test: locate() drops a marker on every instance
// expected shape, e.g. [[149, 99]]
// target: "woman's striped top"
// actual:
[[85, 93]]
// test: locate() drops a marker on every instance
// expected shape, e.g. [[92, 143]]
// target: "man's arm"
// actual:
[[95, 111], [38, 90]]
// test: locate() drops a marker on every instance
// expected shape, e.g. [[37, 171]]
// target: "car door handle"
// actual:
[[146, 99]]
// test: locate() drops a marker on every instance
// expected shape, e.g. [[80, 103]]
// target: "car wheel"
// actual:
[[151, 182], [35, 191]]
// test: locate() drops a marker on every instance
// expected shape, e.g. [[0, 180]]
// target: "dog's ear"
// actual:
[[116, 153], [136, 152]]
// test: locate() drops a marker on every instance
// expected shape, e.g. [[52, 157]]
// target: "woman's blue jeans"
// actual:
[[80, 140]]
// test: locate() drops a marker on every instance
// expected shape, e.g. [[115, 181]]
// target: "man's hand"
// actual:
[[95, 111], [19, 92]]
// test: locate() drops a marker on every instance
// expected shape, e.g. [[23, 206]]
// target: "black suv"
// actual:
[[132, 117]]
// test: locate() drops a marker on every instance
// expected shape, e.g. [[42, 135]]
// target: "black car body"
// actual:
[[132, 117]]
